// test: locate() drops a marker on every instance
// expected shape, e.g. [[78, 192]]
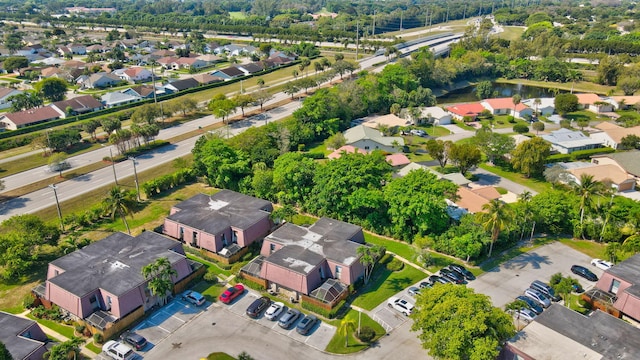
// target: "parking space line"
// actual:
[[175, 317], [161, 328]]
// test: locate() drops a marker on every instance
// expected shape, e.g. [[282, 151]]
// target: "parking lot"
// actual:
[[390, 318], [318, 338], [510, 279]]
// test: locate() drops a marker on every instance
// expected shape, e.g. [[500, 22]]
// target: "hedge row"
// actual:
[[163, 183], [329, 314], [579, 155]]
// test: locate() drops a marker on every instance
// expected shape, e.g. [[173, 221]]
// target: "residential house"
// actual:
[[74, 64], [180, 85], [416, 166], [204, 79], [100, 80], [64, 51], [228, 73], [167, 62], [134, 74], [465, 111], [51, 61], [235, 50], [300, 260], [251, 68], [159, 54], [23, 338], [562, 333], [607, 174], [623, 102], [98, 48], [593, 103], [473, 199], [287, 57], [366, 138], [77, 105], [16, 120], [505, 106], [623, 282], [627, 161], [5, 94], [144, 91], [611, 134], [210, 59], [118, 98], [188, 63], [77, 49], [223, 223], [395, 160], [48, 72], [565, 141], [434, 115], [389, 121], [102, 283], [546, 107]]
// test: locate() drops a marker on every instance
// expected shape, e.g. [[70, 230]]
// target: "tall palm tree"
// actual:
[[119, 202], [345, 325], [525, 199], [586, 189], [495, 219], [516, 100], [159, 275], [537, 103]]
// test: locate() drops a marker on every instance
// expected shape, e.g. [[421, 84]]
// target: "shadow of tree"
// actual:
[[532, 259]]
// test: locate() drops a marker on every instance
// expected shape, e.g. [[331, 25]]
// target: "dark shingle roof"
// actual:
[[232, 71], [79, 104], [629, 160], [33, 115], [185, 84], [11, 327], [628, 270], [216, 213], [113, 263]]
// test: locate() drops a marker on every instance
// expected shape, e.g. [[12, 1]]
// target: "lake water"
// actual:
[[468, 94]]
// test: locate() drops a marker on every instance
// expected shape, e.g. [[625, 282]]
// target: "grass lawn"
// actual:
[[399, 248], [220, 356], [301, 219], [436, 131], [419, 156], [581, 115], [64, 330], [511, 32], [94, 348], [534, 184], [211, 266], [337, 343], [208, 290], [12, 293], [385, 283]]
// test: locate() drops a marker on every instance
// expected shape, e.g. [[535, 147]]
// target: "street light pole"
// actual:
[[113, 166], [55, 194], [135, 173]]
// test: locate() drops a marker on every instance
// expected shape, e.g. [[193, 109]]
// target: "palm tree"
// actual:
[[159, 275], [119, 202], [586, 189], [345, 325], [516, 100], [495, 219], [525, 199], [537, 103]]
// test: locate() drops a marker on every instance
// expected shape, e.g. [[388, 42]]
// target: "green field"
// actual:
[[237, 15]]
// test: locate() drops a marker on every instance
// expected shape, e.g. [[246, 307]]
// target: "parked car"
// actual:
[[118, 351], [306, 324], [413, 291], [454, 277], [433, 279], [274, 311], [257, 307], [400, 305], [462, 270], [418, 132], [532, 304], [231, 293], [426, 285], [289, 318], [584, 272], [545, 289], [601, 264], [193, 297], [134, 339], [538, 297], [523, 314]]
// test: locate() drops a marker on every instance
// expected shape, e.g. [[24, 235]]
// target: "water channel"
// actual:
[[468, 94]]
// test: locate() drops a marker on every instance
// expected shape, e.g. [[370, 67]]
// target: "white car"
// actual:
[[601, 264], [523, 314], [274, 311], [400, 305]]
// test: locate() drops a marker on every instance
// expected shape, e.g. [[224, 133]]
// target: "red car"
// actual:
[[231, 293]]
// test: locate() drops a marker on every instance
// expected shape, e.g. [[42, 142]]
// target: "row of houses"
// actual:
[[102, 284], [54, 111]]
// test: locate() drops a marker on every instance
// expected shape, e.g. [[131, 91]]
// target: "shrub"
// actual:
[[500, 122], [366, 334], [520, 128], [395, 265], [585, 154], [314, 155], [251, 284], [511, 119], [324, 312], [558, 158], [211, 277], [28, 302], [80, 328], [97, 338]]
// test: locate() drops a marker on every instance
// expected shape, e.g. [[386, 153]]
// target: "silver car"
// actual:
[[289, 318], [538, 297]]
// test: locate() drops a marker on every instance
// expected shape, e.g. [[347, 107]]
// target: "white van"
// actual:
[[118, 351]]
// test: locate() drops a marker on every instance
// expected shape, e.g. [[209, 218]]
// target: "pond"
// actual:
[[468, 94]]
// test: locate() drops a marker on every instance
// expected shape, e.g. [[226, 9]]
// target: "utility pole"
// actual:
[[357, 37], [401, 13], [373, 33], [135, 173], [55, 194]]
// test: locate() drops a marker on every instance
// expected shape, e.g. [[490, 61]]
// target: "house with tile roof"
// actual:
[[16, 120], [23, 338], [223, 224], [607, 174], [134, 74], [473, 199], [593, 103], [204, 79], [389, 120], [462, 111], [505, 106], [434, 115], [611, 134], [100, 80], [565, 141], [366, 138], [627, 161], [77, 105]]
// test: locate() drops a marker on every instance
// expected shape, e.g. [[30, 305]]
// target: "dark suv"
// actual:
[[258, 306], [584, 272]]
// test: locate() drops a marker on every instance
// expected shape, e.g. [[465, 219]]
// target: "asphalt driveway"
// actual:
[[510, 279]]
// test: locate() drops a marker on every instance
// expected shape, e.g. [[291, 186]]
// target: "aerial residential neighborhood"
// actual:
[[319, 180]]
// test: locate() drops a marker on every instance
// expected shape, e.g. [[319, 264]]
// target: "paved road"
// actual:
[[72, 188], [488, 178]]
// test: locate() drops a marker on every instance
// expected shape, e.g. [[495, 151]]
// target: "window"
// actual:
[[108, 302], [181, 233], [194, 240], [224, 240], [615, 285], [234, 237], [366, 148], [272, 248], [95, 304], [321, 273], [338, 272], [56, 272]]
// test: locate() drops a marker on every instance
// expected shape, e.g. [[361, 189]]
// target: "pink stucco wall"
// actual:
[[629, 305], [64, 299], [289, 279], [266, 246], [349, 274]]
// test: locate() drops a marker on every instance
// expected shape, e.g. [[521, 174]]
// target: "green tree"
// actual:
[[336, 141], [284, 212], [629, 84], [4, 353], [146, 114], [520, 128], [347, 325], [494, 145], [630, 142], [369, 257], [223, 166], [13, 41], [15, 62], [222, 107], [609, 69], [565, 103], [611, 251], [244, 356], [484, 89], [455, 323], [530, 156], [538, 126], [25, 101], [465, 156], [496, 218], [586, 189], [90, 127], [52, 89], [109, 125], [565, 287], [242, 101], [159, 275], [582, 123], [58, 162], [290, 88], [69, 349], [261, 97], [119, 202], [293, 177]]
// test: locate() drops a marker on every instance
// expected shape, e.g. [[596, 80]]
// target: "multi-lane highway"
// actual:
[[69, 189]]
